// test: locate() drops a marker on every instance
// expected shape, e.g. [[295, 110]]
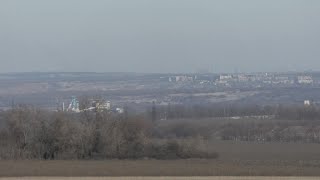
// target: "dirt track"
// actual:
[[163, 178]]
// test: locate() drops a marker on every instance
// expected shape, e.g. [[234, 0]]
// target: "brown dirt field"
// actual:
[[231, 150], [156, 168], [164, 178]]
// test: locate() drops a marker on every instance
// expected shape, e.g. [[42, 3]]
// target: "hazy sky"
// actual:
[[159, 35]]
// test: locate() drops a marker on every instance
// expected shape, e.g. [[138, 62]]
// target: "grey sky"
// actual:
[[159, 35]]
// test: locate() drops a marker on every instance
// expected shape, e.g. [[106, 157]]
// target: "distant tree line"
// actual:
[[246, 129], [247, 123], [241, 123], [229, 110], [298, 112], [209, 110]]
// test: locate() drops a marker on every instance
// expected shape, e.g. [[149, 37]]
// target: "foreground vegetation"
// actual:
[[106, 144], [30, 133]]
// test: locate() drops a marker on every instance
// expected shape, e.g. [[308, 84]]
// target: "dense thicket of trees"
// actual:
[[31, 133]]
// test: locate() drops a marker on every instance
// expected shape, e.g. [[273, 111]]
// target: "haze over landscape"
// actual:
[[159, 36], [160, 89]]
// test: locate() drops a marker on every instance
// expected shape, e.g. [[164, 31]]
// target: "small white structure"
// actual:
[[307, 103], [305, 80], [120, 110], [108, 105], [183, 78], [225, 77], [103, 106]]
